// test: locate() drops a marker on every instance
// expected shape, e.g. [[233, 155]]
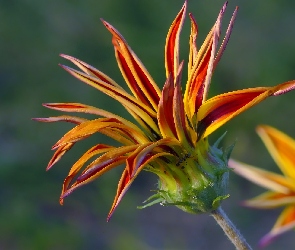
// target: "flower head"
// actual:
[[171, 137], [281, 186]]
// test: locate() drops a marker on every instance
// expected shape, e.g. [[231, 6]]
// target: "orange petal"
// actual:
[[226, 38], [88, 128], [281, 148], [83, 130], [285, 223], [90, 70], [79, 107], [180, 122], [135, 163], [95, 150], [165, 113], [269, 200], [147, 114], [135, 74], [104, 163], [172, 44], [202, 68], [193, 51], [114, 92], [66, 147], [215, 40], [58, 154], [64, 118], [263, 178], [171, 115], [146, 152], [219, 109], [284, 88], [104, 160]]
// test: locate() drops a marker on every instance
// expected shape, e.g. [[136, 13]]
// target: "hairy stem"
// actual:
[[230, 230]]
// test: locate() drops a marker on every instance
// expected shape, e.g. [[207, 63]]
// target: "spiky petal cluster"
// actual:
[[281, 187], [171, 136]]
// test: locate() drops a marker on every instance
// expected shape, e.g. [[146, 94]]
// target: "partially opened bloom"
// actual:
[[170, 138], [281, 186]]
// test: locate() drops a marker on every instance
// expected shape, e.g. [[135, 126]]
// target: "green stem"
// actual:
[[230, 230]]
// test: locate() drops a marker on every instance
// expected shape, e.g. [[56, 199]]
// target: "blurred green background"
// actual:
[[33, 33]]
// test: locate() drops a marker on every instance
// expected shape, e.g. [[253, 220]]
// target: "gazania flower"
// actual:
[[281, 186], [170, 138]]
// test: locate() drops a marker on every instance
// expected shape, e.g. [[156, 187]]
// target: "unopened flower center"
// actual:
[[196, 181]]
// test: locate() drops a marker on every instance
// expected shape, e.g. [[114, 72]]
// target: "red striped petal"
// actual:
[[88, 128], [95, 150], [135, 163], [193, 43], [63, 118], [79, 107], [58, 154], [180, 122], [172, 44], [204, 64], [165, 110], [286, 222], [147, 114], [220, 109], [90, 70], [136, 76], [98, 167]]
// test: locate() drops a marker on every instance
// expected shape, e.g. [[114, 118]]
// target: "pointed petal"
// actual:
[[104, 163], [285, 223], [202, 68], [110, 156], [95, 150], [82, 131], [147, 114], [63, 118], [263, 178], [135, 74], [221, 108], [135, 163], [270, 200], [172, 44], [66, 147], [58, 154], [88, 128], [193, 43], [114, 92], [165, 114], [123, 186], [149, 130], [90, 70], [226, 38], [180, 122], [281, 148], [171, 115], [284, 88], [79, 107], [215, 40], [147, 152]]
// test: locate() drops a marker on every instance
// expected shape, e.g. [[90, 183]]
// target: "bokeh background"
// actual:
[[261, 52]]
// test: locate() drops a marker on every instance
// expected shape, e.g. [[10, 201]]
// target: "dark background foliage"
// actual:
[[261, 52]]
